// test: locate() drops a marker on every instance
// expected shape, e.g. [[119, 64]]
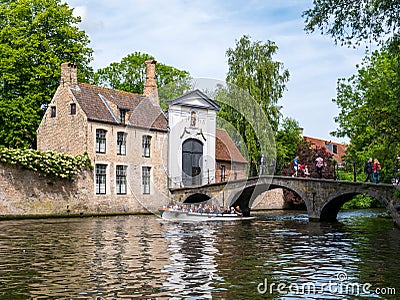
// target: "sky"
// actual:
[[193, 35]]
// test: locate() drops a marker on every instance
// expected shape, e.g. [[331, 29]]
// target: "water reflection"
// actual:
[[145, 258], [193, 268]]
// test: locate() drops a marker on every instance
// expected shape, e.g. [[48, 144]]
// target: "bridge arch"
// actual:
[[332, 205], [197, 197], [246, 197]]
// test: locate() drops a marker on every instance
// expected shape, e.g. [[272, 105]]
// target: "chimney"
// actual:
[[150, 86], [301, 132], [68, 74]]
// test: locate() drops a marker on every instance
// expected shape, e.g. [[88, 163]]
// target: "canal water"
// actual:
[[277, 256]]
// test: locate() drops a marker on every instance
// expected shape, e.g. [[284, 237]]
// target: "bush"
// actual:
[[52, 164], [361, 201]]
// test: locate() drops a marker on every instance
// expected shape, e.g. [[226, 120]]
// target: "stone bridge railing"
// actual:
[[322, 197]]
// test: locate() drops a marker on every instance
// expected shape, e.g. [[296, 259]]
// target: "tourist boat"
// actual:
[[178, 215]]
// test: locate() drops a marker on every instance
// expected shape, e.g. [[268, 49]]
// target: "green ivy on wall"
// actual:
[[52, 164]]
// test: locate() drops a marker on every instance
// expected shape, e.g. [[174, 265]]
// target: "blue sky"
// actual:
[[194, 36]]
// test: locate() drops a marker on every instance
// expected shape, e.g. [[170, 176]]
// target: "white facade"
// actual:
[[192, 135]]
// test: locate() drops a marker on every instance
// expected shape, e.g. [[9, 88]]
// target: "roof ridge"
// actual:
[[111, 89]]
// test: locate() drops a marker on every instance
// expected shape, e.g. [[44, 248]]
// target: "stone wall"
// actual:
[[26, 193], [66, 132], [272, 199]]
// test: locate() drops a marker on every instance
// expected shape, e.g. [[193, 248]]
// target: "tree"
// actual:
[[287, 141], [252, 69], [351, 22], [130, 75], [307, 155], [36, 36], [370, 109]]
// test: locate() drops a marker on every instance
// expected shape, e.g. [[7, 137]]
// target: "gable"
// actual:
[[195, 99]]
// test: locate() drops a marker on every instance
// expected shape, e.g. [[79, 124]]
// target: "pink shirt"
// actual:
[[320, 162]]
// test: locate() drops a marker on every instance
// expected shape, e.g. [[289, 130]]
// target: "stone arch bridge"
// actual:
[[322, 197]]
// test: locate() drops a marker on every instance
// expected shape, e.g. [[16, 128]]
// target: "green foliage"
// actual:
[[361, 202], [52, 164], [369, 110], [353, 21], [130, 75], [247, 124], [36, 36], [252, 69], [287, 140]]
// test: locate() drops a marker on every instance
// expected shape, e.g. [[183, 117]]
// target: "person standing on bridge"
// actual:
[[319, 163], [368, 170], [263, 165], [295, 165], [376, 168]]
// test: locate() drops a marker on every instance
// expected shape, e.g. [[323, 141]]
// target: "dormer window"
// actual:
[[73, 108], [122, 115]]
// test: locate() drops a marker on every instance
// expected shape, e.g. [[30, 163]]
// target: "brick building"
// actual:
[[128, 139], [336, 149], [231, 164], [124, 134]]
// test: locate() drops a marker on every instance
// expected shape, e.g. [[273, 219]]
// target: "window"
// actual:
[[121, 180], [53, 112], [223, 173], [146, 180], [100, 141], [122, 114], [146, 139], [73, 109], [193, 119], [121, 143], [334, 147], [101, 179]]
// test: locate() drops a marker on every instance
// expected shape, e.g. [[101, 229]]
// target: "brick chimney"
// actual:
[[150, 86], [68, 74]]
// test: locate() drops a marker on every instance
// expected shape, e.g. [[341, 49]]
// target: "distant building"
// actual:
[[336, 149], [137, 150]]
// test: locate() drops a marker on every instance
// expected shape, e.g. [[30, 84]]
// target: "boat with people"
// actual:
[[181, 215]]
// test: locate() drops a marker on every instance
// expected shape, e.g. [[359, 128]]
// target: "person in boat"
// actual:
[[207, 209], [233, 210], [238, 211], [200, 209], [216, 210]]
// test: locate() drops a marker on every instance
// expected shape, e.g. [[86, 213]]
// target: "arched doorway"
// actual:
[[192, 153]]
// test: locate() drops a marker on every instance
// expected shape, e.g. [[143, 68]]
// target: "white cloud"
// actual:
[[194, 36]]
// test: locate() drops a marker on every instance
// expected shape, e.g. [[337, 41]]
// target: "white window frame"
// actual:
[[146, 181]]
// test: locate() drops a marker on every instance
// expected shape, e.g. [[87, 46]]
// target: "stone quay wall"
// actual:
[[26, 193]]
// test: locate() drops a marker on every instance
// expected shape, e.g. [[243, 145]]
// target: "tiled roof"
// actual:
[[141, 112], [341, 149], [226, 150]]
